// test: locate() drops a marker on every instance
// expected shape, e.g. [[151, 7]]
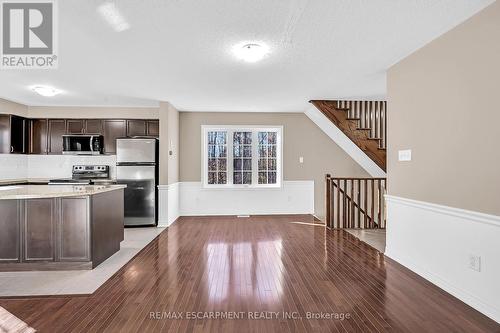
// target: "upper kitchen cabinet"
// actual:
[[153, 128], [75, 126], [113, 129], [136, 127], [13, 134], [93, 126], [57, 128], [39, 132]]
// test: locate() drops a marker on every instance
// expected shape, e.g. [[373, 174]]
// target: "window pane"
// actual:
[[262, 151], [238, 178], [221, 164], [221, 138], [272, 151], [247, 178], [220, 151], [237, 138], [271, 137], [237, 164], [262, 164], [262, 138], [247, 164], [247, 138], [211, 151], [212, 178], [221, 178], [262, 177], [212, 166], [247, 151], [238, 151], [272, 164], [271, 179]]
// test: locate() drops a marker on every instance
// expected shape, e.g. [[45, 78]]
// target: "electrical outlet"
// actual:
[[475, 262], [301, 159]]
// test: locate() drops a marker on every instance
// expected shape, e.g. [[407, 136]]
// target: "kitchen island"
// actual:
[[59, 227]]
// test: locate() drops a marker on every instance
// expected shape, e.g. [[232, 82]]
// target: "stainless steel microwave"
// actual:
[[83, 144]]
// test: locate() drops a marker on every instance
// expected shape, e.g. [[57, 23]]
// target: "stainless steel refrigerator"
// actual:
[[137, 167]]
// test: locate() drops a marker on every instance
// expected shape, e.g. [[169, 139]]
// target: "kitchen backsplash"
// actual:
[[49, 166], [13, 166]]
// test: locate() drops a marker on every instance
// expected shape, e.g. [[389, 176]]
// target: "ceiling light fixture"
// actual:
[[46, 91], [113, 16], [251, 51]]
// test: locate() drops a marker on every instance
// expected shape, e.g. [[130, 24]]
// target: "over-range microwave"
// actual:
[[83, 144]]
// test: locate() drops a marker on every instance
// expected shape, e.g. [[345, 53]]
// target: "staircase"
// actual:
[[364, 122]]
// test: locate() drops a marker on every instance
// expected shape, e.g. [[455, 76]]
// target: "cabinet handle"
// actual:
[[11, 149]]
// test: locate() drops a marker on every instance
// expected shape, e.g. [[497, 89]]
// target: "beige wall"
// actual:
[[169, 144], [8, 107], [443, 104], [301, 137], [92, 112]]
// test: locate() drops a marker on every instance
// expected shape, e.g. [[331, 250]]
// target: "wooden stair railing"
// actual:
[[355, 203], [364, 122]]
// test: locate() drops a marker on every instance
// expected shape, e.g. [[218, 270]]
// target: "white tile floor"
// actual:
[[76, 282], [373, 237]]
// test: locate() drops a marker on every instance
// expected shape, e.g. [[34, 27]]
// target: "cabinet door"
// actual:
[[10, 237], [39, 223], [93, 126], [136, 127], [153, 127], [74, 230], [75, 126], [4, 134], [38, 136], [113, 129], [18, 135], [57, 128]]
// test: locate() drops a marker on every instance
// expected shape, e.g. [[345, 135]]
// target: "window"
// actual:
[[241, 157]]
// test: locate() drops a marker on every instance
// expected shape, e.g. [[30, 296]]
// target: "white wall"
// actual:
[[436, 242]]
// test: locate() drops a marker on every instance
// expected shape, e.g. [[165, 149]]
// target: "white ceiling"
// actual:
[[180, 51]]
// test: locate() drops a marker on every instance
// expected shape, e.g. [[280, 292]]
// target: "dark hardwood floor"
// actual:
[[285, 264]]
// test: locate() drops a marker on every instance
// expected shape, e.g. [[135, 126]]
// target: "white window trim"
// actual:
[[230, 130]]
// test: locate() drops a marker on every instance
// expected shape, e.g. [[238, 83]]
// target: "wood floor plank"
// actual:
[[203, 266]]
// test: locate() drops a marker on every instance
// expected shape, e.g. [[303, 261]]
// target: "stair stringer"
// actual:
[[344, 142]]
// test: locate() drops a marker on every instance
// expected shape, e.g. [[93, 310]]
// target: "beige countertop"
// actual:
[[13, 192], [23, 180]]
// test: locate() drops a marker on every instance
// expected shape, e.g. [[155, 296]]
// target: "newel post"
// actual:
[[328, 216]]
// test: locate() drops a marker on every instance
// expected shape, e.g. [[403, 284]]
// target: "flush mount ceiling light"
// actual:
[[46, 91], [251, 51], [110, 13]]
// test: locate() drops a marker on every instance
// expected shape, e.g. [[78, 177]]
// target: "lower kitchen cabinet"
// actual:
[[39, 228], [10, 224], [73, 231]]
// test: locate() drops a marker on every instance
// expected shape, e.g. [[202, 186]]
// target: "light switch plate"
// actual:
[[404, 155], [301, 159]]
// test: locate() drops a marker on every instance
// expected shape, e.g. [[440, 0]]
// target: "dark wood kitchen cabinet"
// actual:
[[93, 126], [57, 128], [113, 129], [14, 136], [39, 225], [75, 126], [136, 127], [153, 128], [38, 136]]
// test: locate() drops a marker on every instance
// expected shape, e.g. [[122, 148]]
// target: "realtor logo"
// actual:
[[28, 34]]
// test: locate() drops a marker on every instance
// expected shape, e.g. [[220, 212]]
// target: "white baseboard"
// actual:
[[436, 241], [168, 210], [294, 197]]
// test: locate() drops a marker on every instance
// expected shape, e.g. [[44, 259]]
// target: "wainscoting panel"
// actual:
[[438, 243], [168, 200], [294, 197]]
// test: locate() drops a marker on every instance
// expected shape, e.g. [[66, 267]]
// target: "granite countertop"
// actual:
[[53, 191]]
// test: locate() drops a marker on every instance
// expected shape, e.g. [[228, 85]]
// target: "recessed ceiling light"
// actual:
[[251, 51], [113, 16], [46, 91]]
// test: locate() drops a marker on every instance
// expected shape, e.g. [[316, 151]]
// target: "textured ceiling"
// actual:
[[180, 51]]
